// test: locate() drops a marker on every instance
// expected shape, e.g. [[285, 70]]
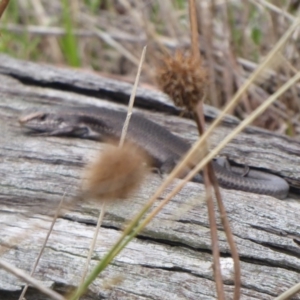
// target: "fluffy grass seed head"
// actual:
[[116, 173], [183, 79]]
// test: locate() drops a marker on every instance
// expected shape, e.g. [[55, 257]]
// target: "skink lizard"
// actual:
[[165, 148]]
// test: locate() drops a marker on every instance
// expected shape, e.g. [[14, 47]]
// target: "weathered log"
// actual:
[[171, 258]]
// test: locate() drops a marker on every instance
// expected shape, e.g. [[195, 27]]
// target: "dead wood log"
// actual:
[[171, 259]]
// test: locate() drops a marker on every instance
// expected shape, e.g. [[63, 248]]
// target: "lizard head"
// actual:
[[40, 121]]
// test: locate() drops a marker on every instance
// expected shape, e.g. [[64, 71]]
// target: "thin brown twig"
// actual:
[[208, 169], [211, 180], [194, 30], [229, 236], [3, 6]]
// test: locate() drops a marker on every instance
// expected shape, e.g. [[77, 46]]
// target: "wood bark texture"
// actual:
[[171, 258]]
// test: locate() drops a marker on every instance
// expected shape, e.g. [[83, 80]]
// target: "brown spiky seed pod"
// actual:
[[183, 79], [115, 173]]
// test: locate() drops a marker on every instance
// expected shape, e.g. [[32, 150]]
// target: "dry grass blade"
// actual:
[[29, 280], [110, 41], [43, 19], [289, 293], [142, 22], [44, 245], [132, 97], [168, 14], [274, 8], [93, 243], [121, 144]]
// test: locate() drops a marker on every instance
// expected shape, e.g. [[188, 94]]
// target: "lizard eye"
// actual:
[[42, 117]]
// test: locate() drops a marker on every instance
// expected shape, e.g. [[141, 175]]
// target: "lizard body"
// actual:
[[165, 148]]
